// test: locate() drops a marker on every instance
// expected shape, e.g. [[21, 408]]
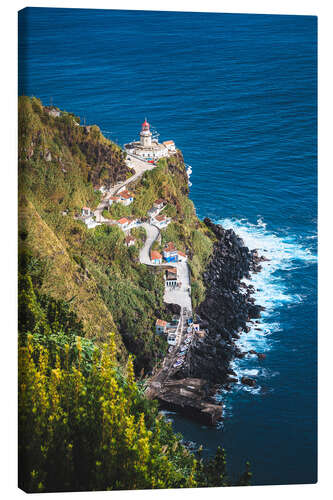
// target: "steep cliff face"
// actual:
[[227, 307]]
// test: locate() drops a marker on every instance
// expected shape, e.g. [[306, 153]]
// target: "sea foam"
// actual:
[[271, 291], [189, 172]]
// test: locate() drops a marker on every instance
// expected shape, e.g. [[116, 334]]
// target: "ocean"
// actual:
[[238, 95]]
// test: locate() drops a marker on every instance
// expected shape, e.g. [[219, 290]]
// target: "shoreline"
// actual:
[[192, 389]]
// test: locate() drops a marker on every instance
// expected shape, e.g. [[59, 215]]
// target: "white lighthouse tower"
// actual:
[[145, 135]]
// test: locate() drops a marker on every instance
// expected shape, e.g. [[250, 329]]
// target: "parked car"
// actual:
[[179, 362]]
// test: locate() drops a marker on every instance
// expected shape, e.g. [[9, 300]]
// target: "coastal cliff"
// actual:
[[87, 315], [60, 162]]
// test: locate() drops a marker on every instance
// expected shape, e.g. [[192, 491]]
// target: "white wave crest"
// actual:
[[189, 172], [272, 291]]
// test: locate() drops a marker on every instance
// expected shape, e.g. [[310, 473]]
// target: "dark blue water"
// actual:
[[237, 93]]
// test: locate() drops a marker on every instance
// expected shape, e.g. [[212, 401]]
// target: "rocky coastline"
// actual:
[[226, 310], [224, 314]]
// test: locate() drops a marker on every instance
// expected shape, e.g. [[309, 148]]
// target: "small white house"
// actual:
[[161, 221], [126, 198], [113, 199], [172, 338], [86, 211], [158, 204], [52, 111], [90, 222], [160, 326], [123, 223], [155, 257], [132, 223], [170, 145]]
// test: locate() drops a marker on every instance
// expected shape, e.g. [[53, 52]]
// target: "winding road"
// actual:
[[181, 295], [140, 168]]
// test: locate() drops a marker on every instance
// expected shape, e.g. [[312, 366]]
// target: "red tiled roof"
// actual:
[[181, 253], [126, 195], [155, 255], [160, 322], [85, 208], [123, 220], [168, 142], [160, 217]]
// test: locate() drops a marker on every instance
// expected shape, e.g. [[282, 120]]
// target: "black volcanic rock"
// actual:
[[227, 308], [248, 381]]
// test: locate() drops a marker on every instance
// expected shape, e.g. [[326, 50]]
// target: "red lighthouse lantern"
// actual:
[[145, 125]]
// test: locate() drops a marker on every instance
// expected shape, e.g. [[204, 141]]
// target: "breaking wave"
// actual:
[[271, 291], [189, 172]]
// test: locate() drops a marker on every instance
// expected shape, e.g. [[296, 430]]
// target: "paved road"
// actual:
[[182, 295], [152, 234], [159, 378], [140, 168]]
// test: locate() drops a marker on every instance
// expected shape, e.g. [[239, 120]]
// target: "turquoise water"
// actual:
[[238, 95]]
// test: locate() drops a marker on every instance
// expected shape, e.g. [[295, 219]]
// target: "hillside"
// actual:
[[87, 314], [60, 166]]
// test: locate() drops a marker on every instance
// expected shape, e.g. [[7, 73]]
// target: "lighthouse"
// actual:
[[145, 135], [148, 148]]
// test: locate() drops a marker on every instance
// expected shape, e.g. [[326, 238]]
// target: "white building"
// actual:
[[90, 222], [160, 326], [129, 241], [161, 221], [171, 277], [113, 199], [125, 197], [155, 257], [86, 211], [172, 338], [123, 223], [170, 145], [170, 252], [158, 204], [126, 223], [148, 148]]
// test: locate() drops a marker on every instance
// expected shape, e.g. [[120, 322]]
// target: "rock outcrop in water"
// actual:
[[227, 308]]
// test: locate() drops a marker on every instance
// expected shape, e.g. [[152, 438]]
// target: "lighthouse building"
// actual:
[[148, 148]]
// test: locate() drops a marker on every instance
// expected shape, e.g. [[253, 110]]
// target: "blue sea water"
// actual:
[[238, 95]]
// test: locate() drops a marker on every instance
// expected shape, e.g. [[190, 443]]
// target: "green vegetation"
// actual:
[[140, 235], [94, 430], [118, 210], [84, 423], [91, 269]]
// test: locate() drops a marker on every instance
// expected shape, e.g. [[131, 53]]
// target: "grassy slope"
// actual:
[[111, 290], [65, 278]]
